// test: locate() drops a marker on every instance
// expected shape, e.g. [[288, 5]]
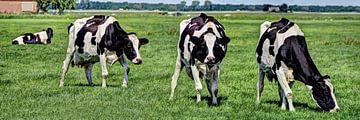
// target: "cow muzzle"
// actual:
[[15, 42], [137, 61], [209, 60]]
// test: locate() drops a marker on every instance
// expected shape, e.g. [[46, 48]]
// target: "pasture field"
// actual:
[[30, 74]]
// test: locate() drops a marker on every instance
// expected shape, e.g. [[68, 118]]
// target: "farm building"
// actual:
[[17, 6]]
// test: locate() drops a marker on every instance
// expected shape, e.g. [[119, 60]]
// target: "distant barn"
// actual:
[[17, 6]]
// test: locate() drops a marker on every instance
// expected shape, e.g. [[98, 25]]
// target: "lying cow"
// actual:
[[100, 39], [282, 54], [201, 49], [43, 37]]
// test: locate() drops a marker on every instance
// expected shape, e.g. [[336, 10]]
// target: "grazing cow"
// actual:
[[100, 39], [282, 55], [43, 37], [201, 49]]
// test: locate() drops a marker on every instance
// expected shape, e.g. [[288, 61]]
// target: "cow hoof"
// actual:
[[124, 85], [292, 110], [61, 85], [214, 104], [103, 86], [91, 84], [171, 98]]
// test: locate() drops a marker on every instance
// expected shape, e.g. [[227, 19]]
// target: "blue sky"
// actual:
[[258, 2]]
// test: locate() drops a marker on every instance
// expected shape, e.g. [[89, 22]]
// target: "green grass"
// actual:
[[29, 74]]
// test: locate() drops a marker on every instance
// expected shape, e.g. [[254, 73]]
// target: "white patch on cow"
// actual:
[[266, 57], [210, 42], [263, 27], [187, 52], [20, 40], [43, 36], [205, 28], [135, 42], [281, 37]]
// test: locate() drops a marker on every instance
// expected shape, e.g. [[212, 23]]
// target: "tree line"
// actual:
[[61, 5], [208, 6]]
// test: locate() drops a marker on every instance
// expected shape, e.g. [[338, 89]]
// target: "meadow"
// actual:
[[30, 74]]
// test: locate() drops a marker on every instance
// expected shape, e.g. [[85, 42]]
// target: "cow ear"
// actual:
[[143, 41], [226, 40]]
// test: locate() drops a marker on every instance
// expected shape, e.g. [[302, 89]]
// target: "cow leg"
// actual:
[[88, 73], [212, 84], [104, 71], [178, 67], [124, 63], [260, 85], [66, 63], [284, 85], [282, 97], [198, 86]]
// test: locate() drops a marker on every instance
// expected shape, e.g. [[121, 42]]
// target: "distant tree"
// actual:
[[182, 5], [195, 4], [284, 8], [61, 5], [43, 5], [84, 4], [207, 5]]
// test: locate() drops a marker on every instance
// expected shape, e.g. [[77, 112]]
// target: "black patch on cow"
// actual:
[[71, 24], [294, 54], [38, 39], [49, 33], [90, 26], [279, 24], [29, 38], [93, 38]]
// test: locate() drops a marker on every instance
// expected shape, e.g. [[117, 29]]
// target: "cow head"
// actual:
[[49, 33], [209, 43], [132, 47], [323, 94]]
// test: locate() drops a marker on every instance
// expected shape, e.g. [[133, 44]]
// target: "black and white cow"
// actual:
[[43, 37], [201, 49], [282, 55], [100, 39]]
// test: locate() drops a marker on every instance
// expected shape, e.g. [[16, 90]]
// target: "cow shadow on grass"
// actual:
[[296, 104], [93, 85], [208, 99]]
